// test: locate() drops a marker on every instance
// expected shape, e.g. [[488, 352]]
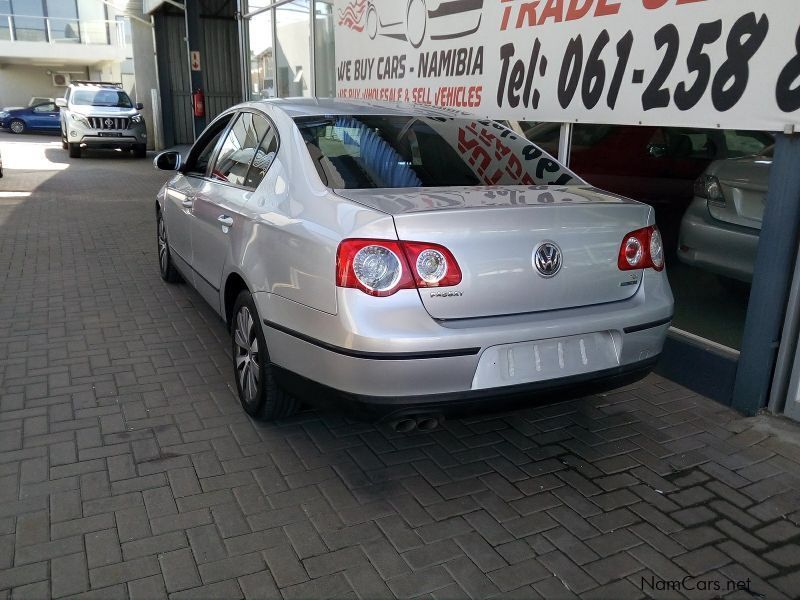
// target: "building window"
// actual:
[[63, 18], [5, 20], [94, 28], [262, 57], [324, 49], [293, 50], [31, 27]]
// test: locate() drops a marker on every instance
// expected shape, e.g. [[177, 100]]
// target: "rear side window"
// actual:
[[247, 152], [382, 151]]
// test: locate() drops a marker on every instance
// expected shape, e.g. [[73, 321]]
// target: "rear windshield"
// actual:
[[114, 98], [376, 151]]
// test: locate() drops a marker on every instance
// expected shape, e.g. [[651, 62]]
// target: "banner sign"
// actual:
[[692, 63]]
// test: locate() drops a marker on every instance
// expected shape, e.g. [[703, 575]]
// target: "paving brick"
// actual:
[[122, 572], [179, 570], [147, 588], [102, 548], [22, 575], [228, 589], [48, 550], [258, 586], [518, 575], [69, 575], [613, 567], [157, 544], [702, 561], [420, 582], [284, 566]]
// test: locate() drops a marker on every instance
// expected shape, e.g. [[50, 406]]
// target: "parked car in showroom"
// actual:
[[719, 232], [655, 165], [407, 262], [95, 114], [40, 117]]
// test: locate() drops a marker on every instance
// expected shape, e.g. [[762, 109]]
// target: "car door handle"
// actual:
[[225, 220], [187, 203]]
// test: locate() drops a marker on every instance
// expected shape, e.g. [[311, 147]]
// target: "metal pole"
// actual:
[[565, 144], [786, 352], [777, 249]]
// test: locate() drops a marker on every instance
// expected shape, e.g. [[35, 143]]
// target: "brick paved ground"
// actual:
[[127, 468]]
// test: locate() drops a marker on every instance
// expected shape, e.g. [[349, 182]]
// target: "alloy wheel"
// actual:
[[17, 126], [248, 370], [163, 254]]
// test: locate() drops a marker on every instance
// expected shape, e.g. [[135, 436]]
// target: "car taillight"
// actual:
[[381, 267], [642, 249], [709, 187]]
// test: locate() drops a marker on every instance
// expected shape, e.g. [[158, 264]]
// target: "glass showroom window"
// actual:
[[293, 50], [262, 56], [708, 190], [324, 49]]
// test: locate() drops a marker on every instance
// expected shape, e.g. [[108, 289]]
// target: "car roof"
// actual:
[[310, 107]]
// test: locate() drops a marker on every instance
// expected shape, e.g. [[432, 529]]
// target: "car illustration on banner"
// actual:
[[414, 19]]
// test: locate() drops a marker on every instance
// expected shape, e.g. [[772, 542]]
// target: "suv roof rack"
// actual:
[[98, 83]]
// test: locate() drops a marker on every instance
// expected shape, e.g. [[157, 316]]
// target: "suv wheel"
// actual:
[[260, 395], [64, 144], [140, 150], [168, 271], [74, 150]]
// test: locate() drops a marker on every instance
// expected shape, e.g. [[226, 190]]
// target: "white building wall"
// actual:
[[19, 82]]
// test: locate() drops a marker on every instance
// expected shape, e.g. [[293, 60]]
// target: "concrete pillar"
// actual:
[[194, 43], [145, 74]]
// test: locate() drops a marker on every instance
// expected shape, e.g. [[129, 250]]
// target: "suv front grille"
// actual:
[[108, 122]]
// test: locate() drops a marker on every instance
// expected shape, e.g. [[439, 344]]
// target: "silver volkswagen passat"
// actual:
[[407, 261]]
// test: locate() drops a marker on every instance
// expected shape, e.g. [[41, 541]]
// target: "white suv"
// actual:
[[101, 115]]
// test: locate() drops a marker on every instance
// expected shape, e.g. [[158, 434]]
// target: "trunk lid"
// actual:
[[493, 233], [744, 183]]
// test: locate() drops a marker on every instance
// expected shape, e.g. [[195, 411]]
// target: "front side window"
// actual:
[[203, 149], [115, 98], [377, 151], [43, 108], [241, 149]]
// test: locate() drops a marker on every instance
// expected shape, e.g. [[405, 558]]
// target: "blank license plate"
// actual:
[[109, 134], [540, 360]]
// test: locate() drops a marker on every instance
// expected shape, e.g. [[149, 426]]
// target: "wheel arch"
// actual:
[[234, 285]]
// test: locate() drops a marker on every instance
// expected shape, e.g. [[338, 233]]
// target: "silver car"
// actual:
[[407, 262], [720, 229]]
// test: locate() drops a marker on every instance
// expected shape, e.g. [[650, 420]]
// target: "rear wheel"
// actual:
[[17, 126], [168, 271], [416, 22], [74, 150], [260, 395]]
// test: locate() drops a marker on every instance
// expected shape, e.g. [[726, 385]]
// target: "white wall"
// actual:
[[19, 82]]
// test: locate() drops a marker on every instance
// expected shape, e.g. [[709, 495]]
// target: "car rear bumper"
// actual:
[[464, 402], [391, 349], [716, 246]]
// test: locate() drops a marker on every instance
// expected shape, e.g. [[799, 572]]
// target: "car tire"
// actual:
[[165, 265], [17, 126], [416, 22], [261, 396], [74, 150], [64, 143], [372, 22], [140, 151]]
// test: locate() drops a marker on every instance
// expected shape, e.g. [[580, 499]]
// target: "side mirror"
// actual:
[[61, 102], [168, 161], [657, 150], [139, 106]]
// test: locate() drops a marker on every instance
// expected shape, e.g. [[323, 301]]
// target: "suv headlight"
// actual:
[[81, 120], [137, 119]]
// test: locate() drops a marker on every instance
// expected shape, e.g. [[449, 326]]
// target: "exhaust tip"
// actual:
[[404, 425], [427, 423]]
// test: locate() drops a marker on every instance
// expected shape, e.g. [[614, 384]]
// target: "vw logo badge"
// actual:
[[547, 259], [109, 122]]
